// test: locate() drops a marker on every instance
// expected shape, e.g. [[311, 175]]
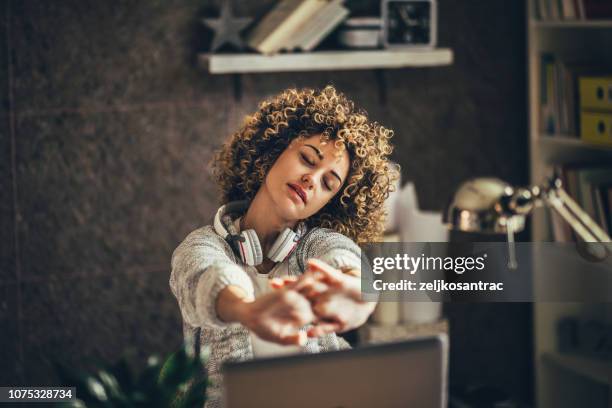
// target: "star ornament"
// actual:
[[227, 28]]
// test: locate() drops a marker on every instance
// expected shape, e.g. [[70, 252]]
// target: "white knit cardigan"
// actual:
[[204, 263]]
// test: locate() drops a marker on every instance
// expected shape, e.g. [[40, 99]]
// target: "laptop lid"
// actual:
[[406, 374]]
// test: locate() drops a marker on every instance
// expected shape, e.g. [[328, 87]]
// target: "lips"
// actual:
[[300, 191]]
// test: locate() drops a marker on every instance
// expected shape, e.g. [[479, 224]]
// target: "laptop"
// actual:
[[411, 373]]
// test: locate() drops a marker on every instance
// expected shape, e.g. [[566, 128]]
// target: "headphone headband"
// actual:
[[245, 244]]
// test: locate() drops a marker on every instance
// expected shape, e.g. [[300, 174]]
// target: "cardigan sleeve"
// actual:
[[333, 248], [340, 252], [203, 265]]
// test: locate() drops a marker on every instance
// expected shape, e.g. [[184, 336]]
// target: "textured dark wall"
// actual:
[[106, 126]]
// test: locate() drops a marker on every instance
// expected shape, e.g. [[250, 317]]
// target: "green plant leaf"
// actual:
[[176, 370], [175, 382], [85, 384], [121, 371], [195, 395]]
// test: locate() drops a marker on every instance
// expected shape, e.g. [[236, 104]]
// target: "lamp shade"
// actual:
[[487, 205]]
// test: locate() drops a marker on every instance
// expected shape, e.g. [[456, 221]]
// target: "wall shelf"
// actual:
[[572, 24], [595, 370], [324, 60], [563, 149]]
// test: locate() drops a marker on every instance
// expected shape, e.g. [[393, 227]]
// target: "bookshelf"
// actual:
[[563, 380], [572, 24], [563, 149], [324, 60], [597, 371]]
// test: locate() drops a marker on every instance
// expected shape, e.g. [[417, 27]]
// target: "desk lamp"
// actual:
[[489, 205]]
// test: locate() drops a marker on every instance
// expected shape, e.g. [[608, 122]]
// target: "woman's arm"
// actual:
[[276, 316], [212, 290], [202, 266]]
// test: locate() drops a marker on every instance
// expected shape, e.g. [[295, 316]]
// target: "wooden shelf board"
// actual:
[[599, 371], [324, 60], [572, 24], [563, 149]]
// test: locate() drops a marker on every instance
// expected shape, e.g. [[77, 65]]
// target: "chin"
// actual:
[[287, 209]]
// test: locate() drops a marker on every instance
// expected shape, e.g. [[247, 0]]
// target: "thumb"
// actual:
[[328, 273]]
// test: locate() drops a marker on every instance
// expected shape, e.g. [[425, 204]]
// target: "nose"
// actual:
[[307, 181]]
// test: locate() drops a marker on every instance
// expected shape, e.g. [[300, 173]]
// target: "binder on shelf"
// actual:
[[595, 93], [596, 127]]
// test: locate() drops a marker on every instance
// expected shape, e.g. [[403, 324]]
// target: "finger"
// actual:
[[324, 328], [290, 279], [304, 282], [335, 278], [313, 290], [298, 338], [322, 309], [276, 283], [328, 273], [285, 281]]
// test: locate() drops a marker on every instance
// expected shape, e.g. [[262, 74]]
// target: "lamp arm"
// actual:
[[575, 216]]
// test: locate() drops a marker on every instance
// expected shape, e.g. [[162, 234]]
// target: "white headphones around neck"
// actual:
[[246, 243]]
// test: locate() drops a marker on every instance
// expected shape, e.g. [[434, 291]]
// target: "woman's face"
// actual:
[[306, 176]]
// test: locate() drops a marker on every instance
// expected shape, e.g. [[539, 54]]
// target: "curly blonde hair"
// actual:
[[356, 211]]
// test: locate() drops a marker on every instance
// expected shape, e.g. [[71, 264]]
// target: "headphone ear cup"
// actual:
[[283, 246], [250, 249]]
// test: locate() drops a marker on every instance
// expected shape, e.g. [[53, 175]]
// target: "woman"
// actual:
[[303, 182]]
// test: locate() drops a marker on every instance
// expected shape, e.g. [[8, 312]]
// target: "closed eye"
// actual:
[[306, 159], [327, 187]]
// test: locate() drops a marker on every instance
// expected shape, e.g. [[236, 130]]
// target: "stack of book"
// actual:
[[591, 187], [297, 25], [558, 96], [576, 100], [556, 10]]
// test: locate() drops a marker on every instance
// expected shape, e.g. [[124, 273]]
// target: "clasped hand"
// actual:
[[323, 296]]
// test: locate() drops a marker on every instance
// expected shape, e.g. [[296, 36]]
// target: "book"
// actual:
[[589, 186], [543, 9], [562, 232], [547, 94], [565, 88], [555, 13], [313, 31], [598, 179], [600, 210], [581, 13], [321, 29], [608, 206], [277, 27], [537, 10], [569, 12]]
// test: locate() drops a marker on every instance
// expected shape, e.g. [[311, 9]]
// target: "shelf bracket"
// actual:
[[237, 86], [381, 79]]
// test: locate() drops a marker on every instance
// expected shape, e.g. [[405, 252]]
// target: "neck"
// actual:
[[267, 223]]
